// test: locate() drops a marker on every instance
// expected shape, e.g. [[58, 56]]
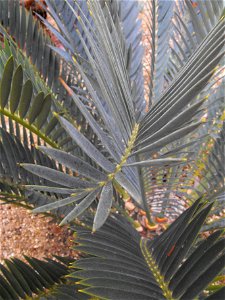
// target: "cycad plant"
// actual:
[[77, 138]]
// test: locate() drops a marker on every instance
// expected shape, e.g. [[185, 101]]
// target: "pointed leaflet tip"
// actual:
[[104, 206], [62, 223]]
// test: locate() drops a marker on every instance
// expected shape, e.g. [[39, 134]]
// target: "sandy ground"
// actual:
[[23, 233]]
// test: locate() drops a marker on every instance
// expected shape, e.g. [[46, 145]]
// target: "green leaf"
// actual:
[[6, 82], [36, 107], [59, 203], [118, 264], [114, 294], [104, 206], [20, 280], [86, 146], [194, 258], [26, 97], [52, 189], [205, 279], [197, 269], [81, 207], [74, 163], [175, 135], [19, 277], [45, 111], [128, 186], [155, 162], [17, 84], [56, 176], [51, 125], [170, 266]]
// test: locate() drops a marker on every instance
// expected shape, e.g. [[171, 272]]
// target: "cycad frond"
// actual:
[[168, 183], [30, 38], [170, 119], [13, 178], [123, 265], [125, 14], [19, 103], [103, 143], [178, 31], [31, 47], [43, 278]]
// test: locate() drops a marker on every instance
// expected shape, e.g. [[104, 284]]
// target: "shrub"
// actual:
[[77, 139]]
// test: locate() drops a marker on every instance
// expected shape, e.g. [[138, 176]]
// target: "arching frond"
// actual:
[[34, 277], [120, 264], [176, 33]]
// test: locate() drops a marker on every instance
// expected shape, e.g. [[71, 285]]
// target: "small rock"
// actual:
[[139, 229], [129, 206]]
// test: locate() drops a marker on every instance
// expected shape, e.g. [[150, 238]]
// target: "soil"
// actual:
[[23, 233]]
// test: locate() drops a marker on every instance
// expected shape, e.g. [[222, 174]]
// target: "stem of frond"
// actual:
[[124, 158], [155, 270], [32, 128]]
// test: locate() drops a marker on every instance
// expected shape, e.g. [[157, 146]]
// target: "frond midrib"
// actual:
[[31, 128], [155, 270]]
